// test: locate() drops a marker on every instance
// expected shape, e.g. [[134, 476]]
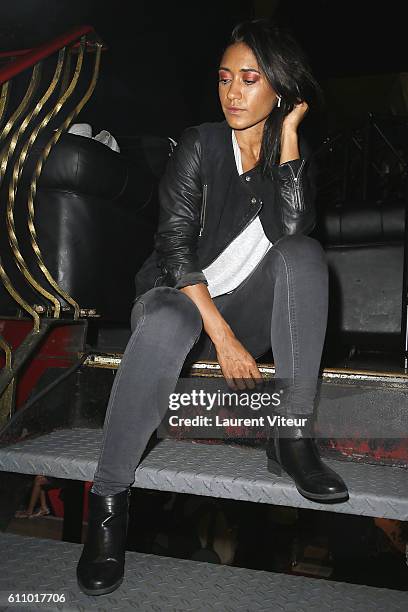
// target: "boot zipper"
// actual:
[[203, 206]]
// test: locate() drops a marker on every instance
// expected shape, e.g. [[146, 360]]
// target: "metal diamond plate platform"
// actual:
[[163, 584], [213, 470]]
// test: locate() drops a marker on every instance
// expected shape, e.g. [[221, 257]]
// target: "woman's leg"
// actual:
[[35, 494], [43, 501], [299, 319], [165, 325], [283, 304]]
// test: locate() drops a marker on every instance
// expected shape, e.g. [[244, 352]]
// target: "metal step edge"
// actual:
[[208, 367], [154, 583], [211, 470]]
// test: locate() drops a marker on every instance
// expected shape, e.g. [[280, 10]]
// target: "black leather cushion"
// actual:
[[366, 289], [95, 217], [364, 244], [86, 166], [362, 223]]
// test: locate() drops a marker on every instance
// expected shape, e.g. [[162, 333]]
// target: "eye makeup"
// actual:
[[223, 75], [249, 76]]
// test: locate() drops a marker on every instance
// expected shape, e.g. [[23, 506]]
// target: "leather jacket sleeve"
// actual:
[[180, 193], [297, 193]]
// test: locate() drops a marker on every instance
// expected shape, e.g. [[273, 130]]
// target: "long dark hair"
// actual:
[[287, 69]]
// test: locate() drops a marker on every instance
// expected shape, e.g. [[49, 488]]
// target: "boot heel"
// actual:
[[274, 467]]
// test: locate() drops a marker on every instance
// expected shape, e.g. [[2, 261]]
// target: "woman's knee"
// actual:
[[302, 248], [168, 306]]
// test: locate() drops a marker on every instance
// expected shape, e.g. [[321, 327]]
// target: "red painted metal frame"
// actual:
[[60, 349], [15, 53], [31, 58], [18, 52], [386, 451]]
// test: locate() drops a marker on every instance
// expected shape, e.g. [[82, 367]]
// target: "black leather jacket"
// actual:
[[205, 204]]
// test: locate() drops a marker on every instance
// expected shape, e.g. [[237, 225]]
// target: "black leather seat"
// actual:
[[95, 217], [364, 243]]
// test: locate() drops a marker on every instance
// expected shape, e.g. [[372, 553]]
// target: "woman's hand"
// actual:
[[296, 116], [239, 368]]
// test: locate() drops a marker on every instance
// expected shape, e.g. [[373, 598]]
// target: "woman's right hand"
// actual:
[[239, 368]]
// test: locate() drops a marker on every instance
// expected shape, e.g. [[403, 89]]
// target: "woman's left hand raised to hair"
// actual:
[[296, 116]]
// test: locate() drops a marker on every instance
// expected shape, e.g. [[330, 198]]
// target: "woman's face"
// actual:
[[246, 96]]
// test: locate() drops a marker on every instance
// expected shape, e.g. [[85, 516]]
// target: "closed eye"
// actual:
[[246, 81]]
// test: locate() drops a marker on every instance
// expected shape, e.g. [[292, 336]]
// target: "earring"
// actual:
[[279, 102]]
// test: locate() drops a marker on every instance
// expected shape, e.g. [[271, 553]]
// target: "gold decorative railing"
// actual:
[[44, 111]]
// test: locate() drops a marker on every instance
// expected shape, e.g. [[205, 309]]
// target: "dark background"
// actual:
[[158, 76], [159, 72]]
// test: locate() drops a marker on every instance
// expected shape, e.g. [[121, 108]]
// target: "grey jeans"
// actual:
[[282, 304]]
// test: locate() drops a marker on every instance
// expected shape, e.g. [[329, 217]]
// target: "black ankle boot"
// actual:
[[295, 452], [102, 563]]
